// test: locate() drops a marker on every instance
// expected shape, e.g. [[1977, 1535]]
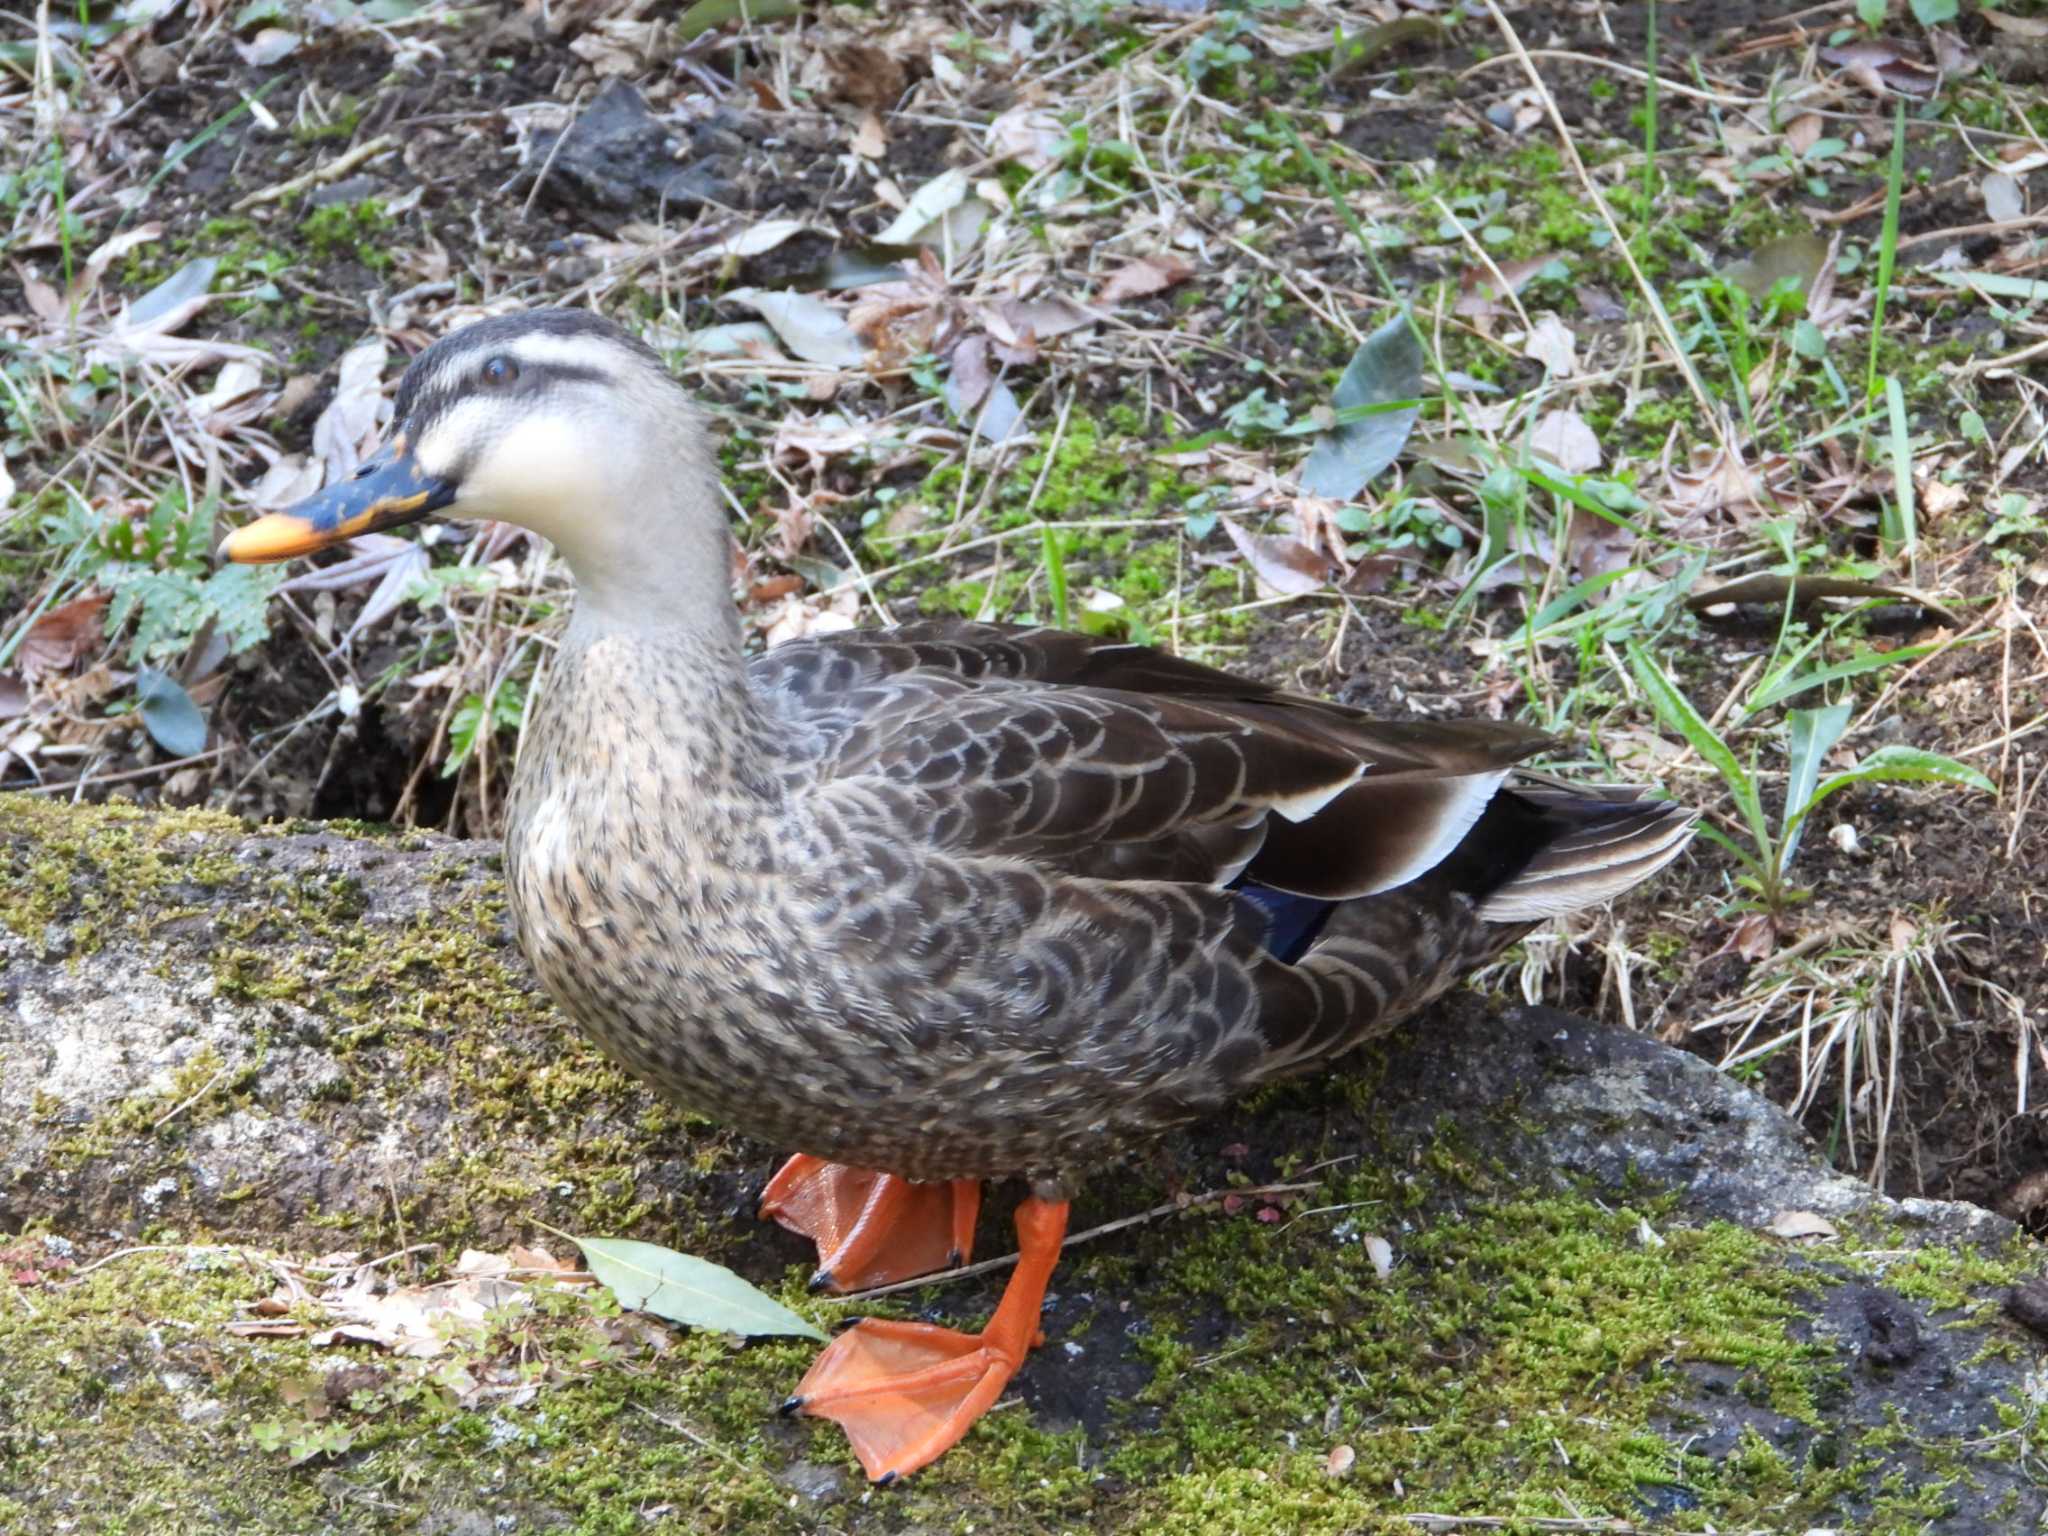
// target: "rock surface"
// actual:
[[1521, 1265]]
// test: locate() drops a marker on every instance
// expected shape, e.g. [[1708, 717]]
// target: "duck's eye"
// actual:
[[499, 371]]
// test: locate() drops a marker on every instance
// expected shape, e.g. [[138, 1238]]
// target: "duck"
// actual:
[[946, 902]]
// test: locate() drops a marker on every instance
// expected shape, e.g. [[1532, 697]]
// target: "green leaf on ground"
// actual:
[[1387, 367], [694, 1292], [168, 714]]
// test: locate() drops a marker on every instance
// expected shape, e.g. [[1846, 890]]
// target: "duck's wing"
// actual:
[[1119, 760]]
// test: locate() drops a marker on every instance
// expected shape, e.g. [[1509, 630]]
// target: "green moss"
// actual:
[[357, 230], [129, 859]]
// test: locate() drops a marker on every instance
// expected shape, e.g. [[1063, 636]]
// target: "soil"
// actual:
[[1959, 1130]]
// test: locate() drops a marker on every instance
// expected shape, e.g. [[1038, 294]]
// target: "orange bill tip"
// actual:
[[287, 535]]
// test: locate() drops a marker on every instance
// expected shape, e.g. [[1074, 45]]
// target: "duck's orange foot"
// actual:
[[872, 1228], [906, 1392]]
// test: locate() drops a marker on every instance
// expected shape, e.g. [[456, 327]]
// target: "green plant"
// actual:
[[1811, 734]]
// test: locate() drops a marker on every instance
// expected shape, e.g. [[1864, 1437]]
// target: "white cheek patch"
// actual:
[[532, 470]]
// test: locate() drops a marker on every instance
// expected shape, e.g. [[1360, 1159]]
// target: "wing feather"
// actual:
[[1118, 760]]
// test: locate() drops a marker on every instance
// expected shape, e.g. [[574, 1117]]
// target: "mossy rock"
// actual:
[[1522, 1268]]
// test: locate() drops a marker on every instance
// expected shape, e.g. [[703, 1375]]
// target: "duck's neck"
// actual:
[[652, 667], [657, 567]]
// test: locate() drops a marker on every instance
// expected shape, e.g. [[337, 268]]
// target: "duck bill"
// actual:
[[389, 491]]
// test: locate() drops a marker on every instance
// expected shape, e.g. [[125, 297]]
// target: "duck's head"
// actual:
[[554, 420]]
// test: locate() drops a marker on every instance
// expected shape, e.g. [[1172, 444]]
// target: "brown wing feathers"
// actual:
[[1122, 761]]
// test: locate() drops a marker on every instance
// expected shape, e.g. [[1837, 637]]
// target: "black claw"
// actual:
[[886, 1479], [791, 1405], [955, 1258], [822, 1281]]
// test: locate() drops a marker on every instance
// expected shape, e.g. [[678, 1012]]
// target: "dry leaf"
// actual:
[[1723, 483], [1031, 136], [1952, 56], [1283, 565], [2017, 26], [869, 141], [1798, 1224], [971, 374], [1381, 1252], [1478, 292], [2003, 199], [1023, 323], [1551, 342], [1754, 938], [866, 76], [1145, 276], [349, 426], [57, 640], [1563, 437]]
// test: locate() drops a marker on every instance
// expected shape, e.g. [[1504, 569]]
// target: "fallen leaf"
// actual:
[[168, 714], [1952, 56], [927, 206], [271, 45], [1144, 277], [56, 641], [1551, 342], [1381, 1253], [2016, 26], [685, 1289], [1029, 135], [1563, 437], [1283, 565], [971, 376], [1754, 938], [173, 301], [2003, 199], [756, 240], [869, 141], [1026, 322], [1386, 368], [350, 424], [809, 327], [1478, 292], [1798, 1224]]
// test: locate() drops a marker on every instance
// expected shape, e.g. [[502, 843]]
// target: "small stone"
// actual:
[[816, 1483], [2027, 1304]]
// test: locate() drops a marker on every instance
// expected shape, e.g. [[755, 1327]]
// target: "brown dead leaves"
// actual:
[[479, 1326], [1144, 277]]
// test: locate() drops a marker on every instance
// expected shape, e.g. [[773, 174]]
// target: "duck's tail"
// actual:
[[1543, 848]]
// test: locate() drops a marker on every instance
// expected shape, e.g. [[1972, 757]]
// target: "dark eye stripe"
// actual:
[[436, 397]]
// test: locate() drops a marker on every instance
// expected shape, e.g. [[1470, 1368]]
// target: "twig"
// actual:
[[333, 170], [988, 1266]]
